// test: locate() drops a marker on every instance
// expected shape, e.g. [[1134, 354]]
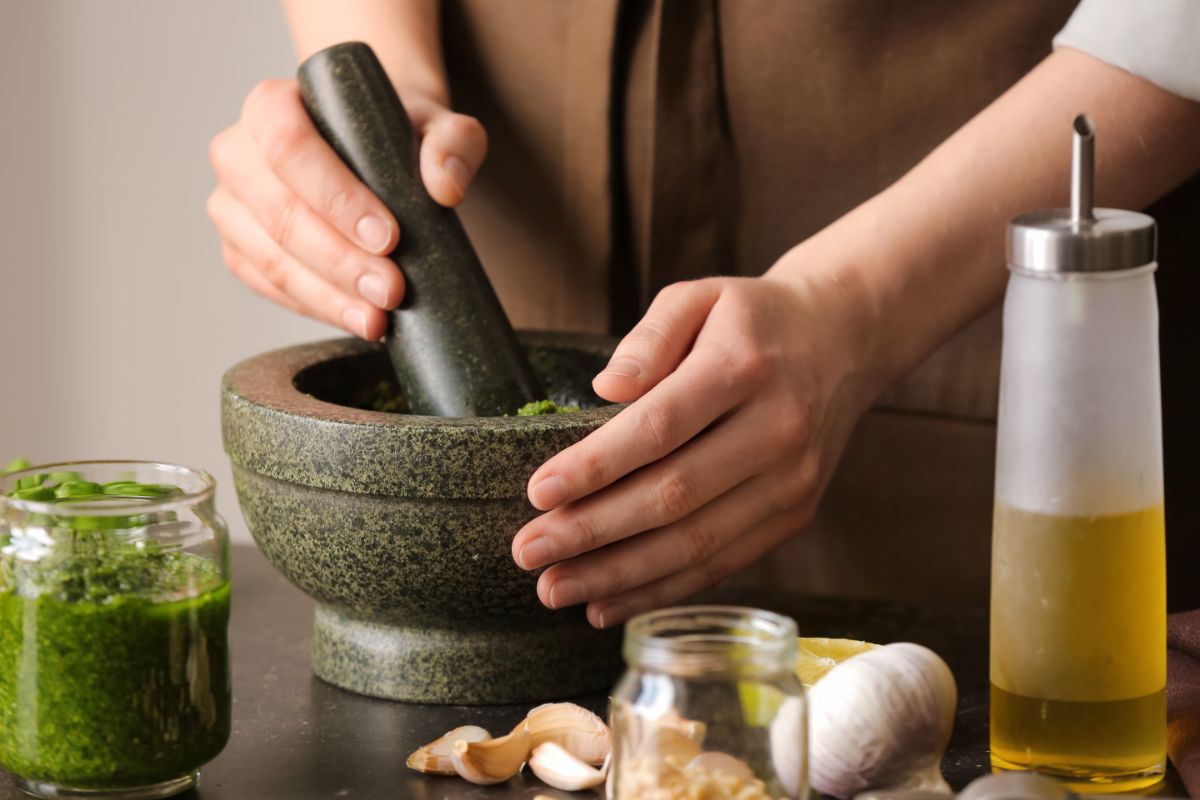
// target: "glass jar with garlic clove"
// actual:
[[709, 706]]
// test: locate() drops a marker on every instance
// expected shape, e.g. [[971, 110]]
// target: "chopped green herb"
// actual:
[[16, 465], [539, 407]]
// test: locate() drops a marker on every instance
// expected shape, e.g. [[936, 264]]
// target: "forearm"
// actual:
[[926, 255], [405, 35]]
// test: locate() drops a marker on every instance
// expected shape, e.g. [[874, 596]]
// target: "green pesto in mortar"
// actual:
[[114, 662], [539, 407]]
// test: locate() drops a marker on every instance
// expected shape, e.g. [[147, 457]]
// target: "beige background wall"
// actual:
[[117, 316]]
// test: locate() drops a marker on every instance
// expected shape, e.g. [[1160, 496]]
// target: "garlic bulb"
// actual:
[[880, 720]]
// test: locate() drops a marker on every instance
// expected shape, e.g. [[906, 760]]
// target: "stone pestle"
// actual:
[[453, 349]]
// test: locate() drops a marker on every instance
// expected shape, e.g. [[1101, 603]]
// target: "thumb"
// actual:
[[451, 153], [657, 344]]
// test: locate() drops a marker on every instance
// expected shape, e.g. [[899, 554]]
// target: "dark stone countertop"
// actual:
[[297, 738]]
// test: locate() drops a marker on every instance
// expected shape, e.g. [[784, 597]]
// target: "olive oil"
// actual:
[[1078, 646]]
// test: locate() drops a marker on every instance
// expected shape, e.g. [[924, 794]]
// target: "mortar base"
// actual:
[[471, 666]]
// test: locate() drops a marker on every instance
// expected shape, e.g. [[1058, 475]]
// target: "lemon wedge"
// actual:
[[818, 655]]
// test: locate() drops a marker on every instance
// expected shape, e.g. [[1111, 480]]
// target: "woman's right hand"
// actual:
[[299, 228]]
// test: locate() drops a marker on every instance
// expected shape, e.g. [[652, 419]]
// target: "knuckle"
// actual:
[[613, 579], [218, 149], [700, 545], [265, 93], [712, 573], [808, 476], [586, 531], [212, 207], [274, 270], [676, 291], [283, 218], [749, 363], [592, 468], [676, 496], [658, 423], [794, 424], [283, 142], [338, 202], [801, 484], [345, 266], [649, 334], [463, 126]]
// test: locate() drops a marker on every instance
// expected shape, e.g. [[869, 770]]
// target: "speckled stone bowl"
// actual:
[[400, 526]]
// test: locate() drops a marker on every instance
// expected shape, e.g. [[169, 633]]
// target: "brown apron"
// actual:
[[634, 143]]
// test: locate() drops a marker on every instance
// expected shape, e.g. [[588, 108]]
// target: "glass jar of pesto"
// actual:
[[114, 616]]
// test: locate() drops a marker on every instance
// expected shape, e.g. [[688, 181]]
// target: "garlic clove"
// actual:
[[493, 760], [557, 767], [435, 758], [670, 744], [712, 761], [577, 730]]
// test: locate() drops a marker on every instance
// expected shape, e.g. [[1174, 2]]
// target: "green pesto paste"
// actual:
[[539, 407], [114, 663]]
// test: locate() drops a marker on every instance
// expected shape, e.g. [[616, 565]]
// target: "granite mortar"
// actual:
[[400, 526]]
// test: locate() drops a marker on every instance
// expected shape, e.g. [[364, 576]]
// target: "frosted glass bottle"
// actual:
[[1078, 605]]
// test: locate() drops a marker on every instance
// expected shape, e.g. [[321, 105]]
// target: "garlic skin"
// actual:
[[435, 758], [881, 719], [789, 746], [577, 730], [491, 760]]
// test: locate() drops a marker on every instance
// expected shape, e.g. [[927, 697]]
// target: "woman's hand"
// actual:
[[299, 228], [743, 392]]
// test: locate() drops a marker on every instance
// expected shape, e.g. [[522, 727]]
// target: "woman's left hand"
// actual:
[[742, 394]]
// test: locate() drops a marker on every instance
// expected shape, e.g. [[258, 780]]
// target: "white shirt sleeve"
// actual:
[[1158, 40]]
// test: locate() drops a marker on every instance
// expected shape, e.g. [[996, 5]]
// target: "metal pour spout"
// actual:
[[1083, 170]]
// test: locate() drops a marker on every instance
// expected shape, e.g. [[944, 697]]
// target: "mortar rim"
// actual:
[[341, 446]]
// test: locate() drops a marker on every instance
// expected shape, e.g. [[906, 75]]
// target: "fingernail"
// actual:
[[355, 321], [612, 614], [566, 592], [372, 289], [548, 492], [460, 176], [535, 553], [625, 367], [373, 233]]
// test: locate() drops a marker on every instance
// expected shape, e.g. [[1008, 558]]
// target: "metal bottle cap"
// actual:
[[1080, 238]]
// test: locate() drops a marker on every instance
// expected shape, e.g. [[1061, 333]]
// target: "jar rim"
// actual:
[[108, 507], [710, 638]]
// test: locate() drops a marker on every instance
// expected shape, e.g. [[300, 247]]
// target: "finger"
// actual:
[[656, 345], [451, 153], [656, 554], [245, 271], [674, 411], [295, 151], [748, 548], [243, 170], [308, 290], [660, 494]]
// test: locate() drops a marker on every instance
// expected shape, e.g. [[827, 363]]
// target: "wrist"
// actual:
[[838, 313]]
